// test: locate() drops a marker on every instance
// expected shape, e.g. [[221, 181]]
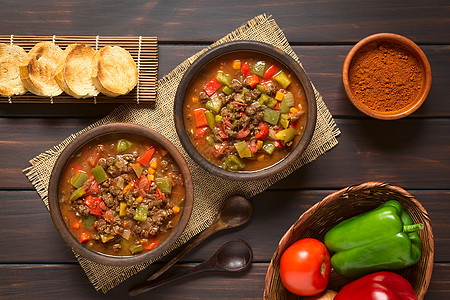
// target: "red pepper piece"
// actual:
[[94, 157], [272, 70], [200, 117], [84, 237], [252, 146], [253, 80], [263, 131], [243, 133], [151, 246], [245, 69], [143, 185], [145, 158], [277, 106], [212, 86], [278, 144], [91, 186], [218, 149], [77, 169], [200, 132], [94, 205], [379, 285]]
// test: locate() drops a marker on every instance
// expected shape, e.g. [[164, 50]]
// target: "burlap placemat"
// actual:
[[210, 191]]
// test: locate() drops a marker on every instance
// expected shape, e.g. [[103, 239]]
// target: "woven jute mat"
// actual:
[[210, 191]]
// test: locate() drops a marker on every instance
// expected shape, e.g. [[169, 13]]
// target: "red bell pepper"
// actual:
[[243, 133], [200, 117], [263, 131], [145, 158], [151, 246], [252, 146], [253, 80], [380, 285], [272, 70], [94, 205], [77, 169], [200, 132], [245, 69], [212, 86]]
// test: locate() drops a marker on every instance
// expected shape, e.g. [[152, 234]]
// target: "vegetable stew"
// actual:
[[121, 195], [245, 111]]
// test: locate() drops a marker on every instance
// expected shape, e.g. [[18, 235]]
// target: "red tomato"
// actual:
[[305, 267]]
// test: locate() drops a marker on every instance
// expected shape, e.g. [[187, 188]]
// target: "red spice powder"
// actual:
[[385, 76]]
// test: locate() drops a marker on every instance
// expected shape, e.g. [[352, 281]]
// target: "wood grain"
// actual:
[[24, 281], [303, 21], [368, 150], [322, 63], [37, 241]]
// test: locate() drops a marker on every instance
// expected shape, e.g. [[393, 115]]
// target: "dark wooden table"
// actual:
[[413, 153]]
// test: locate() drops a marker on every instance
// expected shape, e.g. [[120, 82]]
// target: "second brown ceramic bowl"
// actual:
[[79, 142], [258, 48], [404, 43]]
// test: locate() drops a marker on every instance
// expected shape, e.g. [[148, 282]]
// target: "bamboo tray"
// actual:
[[144, 51]]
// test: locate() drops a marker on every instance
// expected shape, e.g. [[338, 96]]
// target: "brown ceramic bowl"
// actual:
[[405, 43], [71, 149], [258, 48]]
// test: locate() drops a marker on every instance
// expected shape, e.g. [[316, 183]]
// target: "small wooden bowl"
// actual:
[[405, 43], [258, 48], [344, 204], [82, 140]]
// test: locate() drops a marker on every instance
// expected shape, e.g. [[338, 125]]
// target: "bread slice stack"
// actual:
[[74, 69], [114, 71], [38, 68], [79, 70], [10, 82]]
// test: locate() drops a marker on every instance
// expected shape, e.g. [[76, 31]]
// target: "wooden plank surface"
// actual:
[[193, 21], [24, 281], [322, 63], [368, 150]]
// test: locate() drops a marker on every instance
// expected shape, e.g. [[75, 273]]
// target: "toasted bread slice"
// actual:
[[10, 82], [73, 71], [38, 67], [114, 71]]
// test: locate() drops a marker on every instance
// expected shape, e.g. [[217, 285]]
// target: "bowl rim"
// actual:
[[259, 48], [83, 139], [409, 45]]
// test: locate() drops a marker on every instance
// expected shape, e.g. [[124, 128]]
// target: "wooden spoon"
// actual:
[[236, 211], [233, 256]]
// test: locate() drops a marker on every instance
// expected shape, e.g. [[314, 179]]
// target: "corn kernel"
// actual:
[[260, 157], [151, 171], [154, 163], [139, 199], [279, 96], [194, 100], [236, 64], [151, 177], [259, 144], [176, 209]]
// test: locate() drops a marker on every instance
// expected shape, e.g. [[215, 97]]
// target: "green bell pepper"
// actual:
[[382, 239]]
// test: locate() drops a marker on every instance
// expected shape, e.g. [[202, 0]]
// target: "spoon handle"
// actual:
[[195, 241], [148, 286]]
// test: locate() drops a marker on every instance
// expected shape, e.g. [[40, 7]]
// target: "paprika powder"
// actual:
[[385, 76]]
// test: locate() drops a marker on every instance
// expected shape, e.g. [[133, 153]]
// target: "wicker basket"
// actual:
[[343, 204]]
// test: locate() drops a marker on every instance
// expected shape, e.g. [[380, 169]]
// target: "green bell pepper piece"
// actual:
[[282, 79], [374, 241], [215, 104], [272, 102], [136, 248], [233, 163], [218, 118], [123, 145], [77, 194], [258, 68], [141, 213], [227, 90], [223, 78], [268, 147], [243, 149], [89, 222], [78, 179], [286, 135], [99, 174], [164, 184], [210, 140], [210, 119], [271, 116], [263, 99], [261, 88]]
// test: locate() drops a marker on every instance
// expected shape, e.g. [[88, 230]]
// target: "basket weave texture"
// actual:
[[344, 204]]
